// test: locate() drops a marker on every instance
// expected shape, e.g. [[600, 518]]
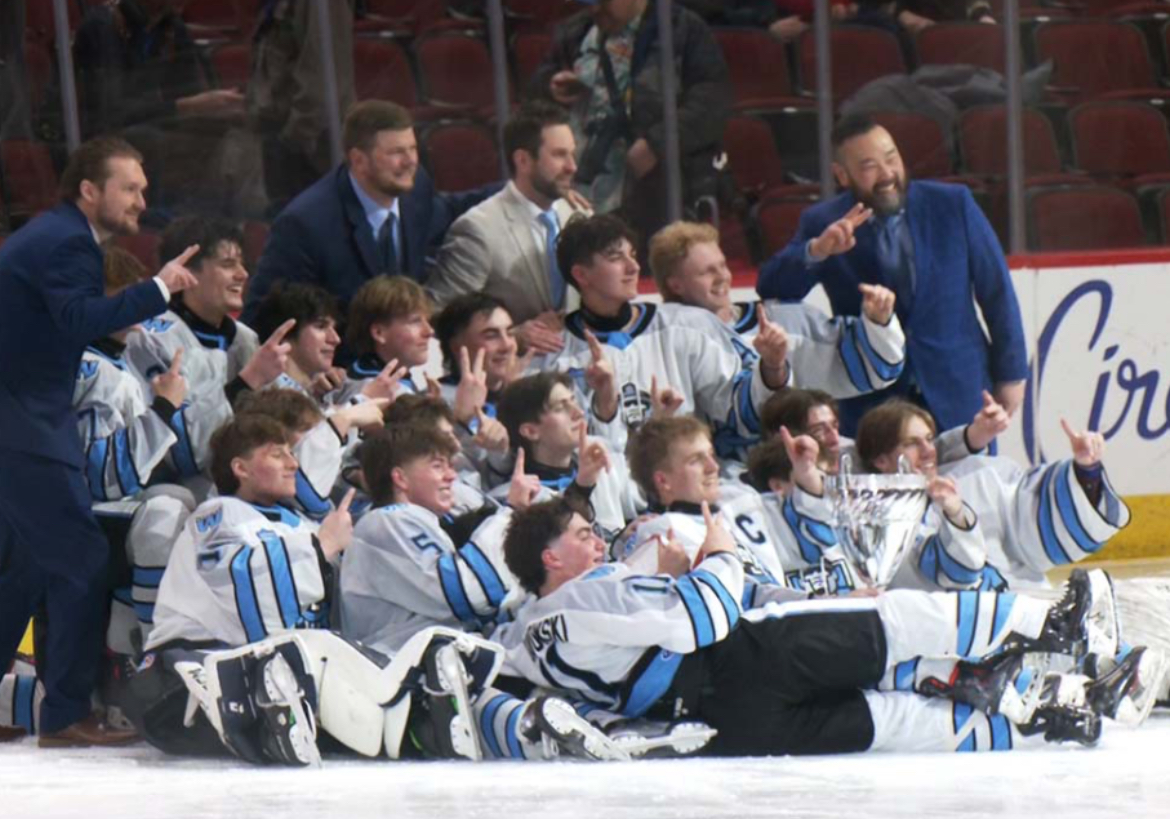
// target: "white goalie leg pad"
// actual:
[[1143, 605]]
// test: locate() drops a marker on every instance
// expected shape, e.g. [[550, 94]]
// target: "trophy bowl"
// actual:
[[876, 519]]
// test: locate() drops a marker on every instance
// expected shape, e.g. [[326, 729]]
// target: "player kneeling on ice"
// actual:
[[239, 656], [796, 678]]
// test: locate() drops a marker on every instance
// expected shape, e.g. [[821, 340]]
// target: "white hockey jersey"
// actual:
[[402, 573], [1029, 521], [123, 438], [798, 527], [684, 347], [212, 359], [844, 356], [240, 572], [615, 637]]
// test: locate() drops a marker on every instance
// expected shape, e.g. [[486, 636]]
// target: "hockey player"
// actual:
[[221, 357], [844, 356], [313, 340], [684, 347], [542, 417], [793, 678], [389, 332], [1029, 520], [475, 331]]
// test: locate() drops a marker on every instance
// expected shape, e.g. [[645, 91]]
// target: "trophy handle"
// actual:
[[904, 465]]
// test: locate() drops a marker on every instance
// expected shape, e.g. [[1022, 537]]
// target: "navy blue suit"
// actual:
[[324, 238], [957, 261], [52, 552]]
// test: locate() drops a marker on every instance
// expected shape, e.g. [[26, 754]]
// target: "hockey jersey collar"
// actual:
[[278, 514], [555, 478], [371, 365], [213, 338], [110, 349], [749, 316], [685, 508], [619, 331]]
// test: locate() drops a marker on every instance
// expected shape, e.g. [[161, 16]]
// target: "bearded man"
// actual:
[[931, 245]]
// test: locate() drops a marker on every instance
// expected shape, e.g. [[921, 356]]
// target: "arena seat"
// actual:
[[947, 43], [455, 70], [757, 64], [779, 219], [860, 54], [1083, 217], [1092, 58], [382, 72], [920, 140], [1121, 139], [460, 155], [30, 179], [528, 52]]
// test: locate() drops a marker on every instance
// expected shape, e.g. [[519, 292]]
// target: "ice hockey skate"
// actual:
[[563, 732]]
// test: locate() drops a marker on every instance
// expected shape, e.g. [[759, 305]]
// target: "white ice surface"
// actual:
[[1128, 775]]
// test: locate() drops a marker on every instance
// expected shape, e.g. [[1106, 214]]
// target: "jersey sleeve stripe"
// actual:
[[246, 603], [1046, 524], [652, 683], [808, 549], [742, 388], [284, 585], [307, 496], [182, 451], [485, 573], [847, 347], [696, 607], [716, 585], [953, 569], [1068, 512], [146, 577], [452, 585], [968, 618], [590, 679], [127, 473], [95, 469], [886, 370]]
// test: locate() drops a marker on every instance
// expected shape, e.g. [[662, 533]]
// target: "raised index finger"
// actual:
[[1068, 430], [177, 361], [186, 255], [347, 500], [518, 469], [594, 345], [280, 332]]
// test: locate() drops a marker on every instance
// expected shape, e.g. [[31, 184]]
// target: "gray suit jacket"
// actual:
[[492, 249]]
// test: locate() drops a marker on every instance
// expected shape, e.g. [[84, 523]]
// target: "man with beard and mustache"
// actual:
[[506, 245], [53, 554], [931, 245], [377, 213]]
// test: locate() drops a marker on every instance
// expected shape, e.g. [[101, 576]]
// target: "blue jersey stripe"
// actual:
[[847, 347], [955, 570], [514, 747], [485, 573], [808, 550], [95, 468], [904, 673], [654, 681], [742, 388], [124, 464], [147, 577], [316, 506], [182, 451], [452, 585], [1068, 512], [1003, 611], [283, 583], [968, 618], [1048, 538], [885, 370], [704, 627], [1001, 733], [23, 697], [246, 603], [725, 598]]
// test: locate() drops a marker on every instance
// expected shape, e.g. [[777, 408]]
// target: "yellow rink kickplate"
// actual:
[[1148, 533]]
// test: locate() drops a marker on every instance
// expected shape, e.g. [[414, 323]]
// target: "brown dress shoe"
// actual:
[[87, 732], [11, 733]]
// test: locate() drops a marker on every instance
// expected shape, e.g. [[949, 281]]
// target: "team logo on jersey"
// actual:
[[87, 370], [635, 405], [206, 523], [543, 633], [157, 325], [829, 579]]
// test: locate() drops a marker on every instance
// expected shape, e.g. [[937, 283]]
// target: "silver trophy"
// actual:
[[876, 518]]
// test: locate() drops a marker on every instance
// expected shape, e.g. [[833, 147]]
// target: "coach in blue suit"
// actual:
[[377, 213], [930, 244], [52, 304]]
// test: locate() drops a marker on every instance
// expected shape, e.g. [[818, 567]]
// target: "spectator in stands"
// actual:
[[931, 245], [506, 245], [604, 66], [52, 304], [16, 119], [286, 94], [915, 15], [376, 213], [139, 74]]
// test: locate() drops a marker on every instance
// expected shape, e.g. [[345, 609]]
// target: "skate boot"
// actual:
[[646, 739], [291, 738], [1007, 684], [1082, 621], [442, 724], [1127, 692], [562, 731], [1064, 714]]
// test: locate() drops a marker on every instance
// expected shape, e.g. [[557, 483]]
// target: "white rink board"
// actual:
[[1126, 776]]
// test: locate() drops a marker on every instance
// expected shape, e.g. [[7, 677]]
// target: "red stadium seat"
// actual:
[[461, 155], [758, 66], [1123, 139], [961, 43], [38, 20], [752, 155], [529, 49], [537, 15], [779, 218], [232, 64], [1083, 217], [455, 69], [983, 142], [1095, 58], [382, 72], [859, 54], [921, 142], [30, 180]]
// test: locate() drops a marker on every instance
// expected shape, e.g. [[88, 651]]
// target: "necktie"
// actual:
[[556, 282], [896, 256], [388, 244]]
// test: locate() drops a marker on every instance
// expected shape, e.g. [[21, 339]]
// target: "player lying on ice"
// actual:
[[801, 678]]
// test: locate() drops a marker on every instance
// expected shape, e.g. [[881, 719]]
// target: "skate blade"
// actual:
[[682, 740], [1101, 624], [453, 680], [1135, 707]]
